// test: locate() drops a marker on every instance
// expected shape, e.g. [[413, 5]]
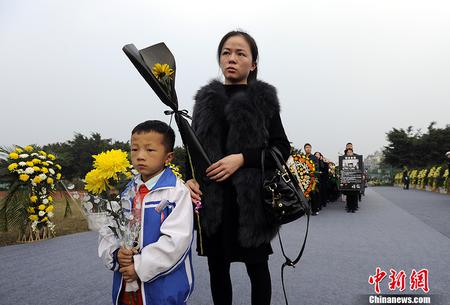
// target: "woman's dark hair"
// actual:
[[253, 48]]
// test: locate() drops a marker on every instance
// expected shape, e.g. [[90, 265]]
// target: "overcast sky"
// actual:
[[345, 70]]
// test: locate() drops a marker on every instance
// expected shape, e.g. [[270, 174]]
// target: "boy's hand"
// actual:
[[128, 273], [125, 257], [194, 188]]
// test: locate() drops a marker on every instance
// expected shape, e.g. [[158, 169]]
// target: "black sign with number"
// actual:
[[351, 173]]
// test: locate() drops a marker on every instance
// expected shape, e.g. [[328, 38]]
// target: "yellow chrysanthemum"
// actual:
[[112, 162], [34, 198], [37, 179], [30, 164], [24, 177], [19, 150], [50, 199], [45, 219], [95, 182], [43, 153], [41, 207], [49, 209], [36, 161], [14, 155], [33, 217], [30, 210], [36, 168], [159, 71], [58, 166], [51, 157], [44, 170], [28, 148], [12, 166], [49, 180], [58, 176], [44, 163]]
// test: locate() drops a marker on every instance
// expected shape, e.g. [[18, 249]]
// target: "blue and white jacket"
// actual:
[[164, 264]]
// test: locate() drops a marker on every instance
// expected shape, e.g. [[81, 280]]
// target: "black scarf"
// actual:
[[246, 115]]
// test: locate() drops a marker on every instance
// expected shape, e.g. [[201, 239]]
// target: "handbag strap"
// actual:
[[278, 158]]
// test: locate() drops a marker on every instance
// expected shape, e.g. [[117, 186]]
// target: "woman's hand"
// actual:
[[225, 167], [194, 188]]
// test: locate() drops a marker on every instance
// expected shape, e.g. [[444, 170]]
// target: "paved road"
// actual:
[[393, 229]]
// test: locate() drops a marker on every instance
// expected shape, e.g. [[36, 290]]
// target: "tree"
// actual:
[[416, 149]]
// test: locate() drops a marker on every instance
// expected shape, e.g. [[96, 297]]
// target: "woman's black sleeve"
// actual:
[[277, 138]]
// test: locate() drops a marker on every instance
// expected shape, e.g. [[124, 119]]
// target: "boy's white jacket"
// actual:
[[164, 264]]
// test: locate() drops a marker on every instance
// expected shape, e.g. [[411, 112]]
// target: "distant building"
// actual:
[[373, 162]]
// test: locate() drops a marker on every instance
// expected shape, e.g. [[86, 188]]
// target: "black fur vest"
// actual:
[[246, 115]]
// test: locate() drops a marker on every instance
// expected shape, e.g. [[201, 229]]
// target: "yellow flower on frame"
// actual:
[[19, 150], [44, 163], [36, 168], [34, 198], [45, 219], [28, 148], [58, 176], [36, 161], [41, 207], [37, 179], [58, 166], [50, 199], [12, 166], [50, 180], [30, 210], [43, 153], [44, 170], [33, 217], [30, 164], [49, 209], [161, 70], [24, 177], [14, 155], [51, 157]]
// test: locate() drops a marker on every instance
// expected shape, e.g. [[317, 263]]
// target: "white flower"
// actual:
[[20, 171], [34, 154], [29, 171], [43, 190], [23, 156], [42, 157], [50, 162], [45, 201], [22, 163], [43, 176], [51, 171], [33, 225], [41, 213], [50, 214]]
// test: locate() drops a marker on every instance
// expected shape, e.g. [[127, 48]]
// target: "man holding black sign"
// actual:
[[351, 177]]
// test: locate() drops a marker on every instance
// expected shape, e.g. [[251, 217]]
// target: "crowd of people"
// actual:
[[327, 183]]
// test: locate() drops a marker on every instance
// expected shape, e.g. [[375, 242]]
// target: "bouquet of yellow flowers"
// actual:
[[304, 169], [33, 175]]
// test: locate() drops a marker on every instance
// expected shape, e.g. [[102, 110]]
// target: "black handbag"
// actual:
[[282, 195], [284, 200]]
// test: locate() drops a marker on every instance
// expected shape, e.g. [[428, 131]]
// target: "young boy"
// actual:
[[162, 268]]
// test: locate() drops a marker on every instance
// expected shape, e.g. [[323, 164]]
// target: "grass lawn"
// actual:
[[71, 224]]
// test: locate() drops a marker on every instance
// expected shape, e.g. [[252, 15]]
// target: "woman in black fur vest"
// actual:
[[234, 121]]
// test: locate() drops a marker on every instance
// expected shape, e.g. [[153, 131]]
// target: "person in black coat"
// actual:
[[314, 195], [323, 178], [234, 122]]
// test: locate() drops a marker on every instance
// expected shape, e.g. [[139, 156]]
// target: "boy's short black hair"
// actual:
[[159, 127], [306, 144], [349, 143]]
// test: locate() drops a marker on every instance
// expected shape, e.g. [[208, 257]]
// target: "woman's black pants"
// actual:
[[222, 291]]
